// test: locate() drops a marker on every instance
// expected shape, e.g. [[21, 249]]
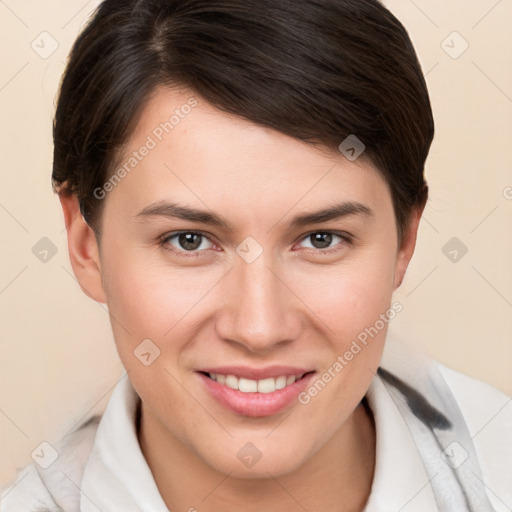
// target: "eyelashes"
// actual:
[[331, 236], [191, 243], [183, 238]]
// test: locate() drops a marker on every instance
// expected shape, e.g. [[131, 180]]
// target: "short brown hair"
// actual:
[[317, 70]]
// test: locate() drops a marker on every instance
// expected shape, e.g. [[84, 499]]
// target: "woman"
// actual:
[[242, 184]]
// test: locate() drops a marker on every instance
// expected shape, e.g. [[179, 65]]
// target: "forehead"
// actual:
[[184, 149]]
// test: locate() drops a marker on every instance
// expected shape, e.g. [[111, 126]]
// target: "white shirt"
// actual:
[[101, 466]]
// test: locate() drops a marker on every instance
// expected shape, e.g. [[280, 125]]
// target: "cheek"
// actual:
[[152, 300], [349, 297], [355, 305]]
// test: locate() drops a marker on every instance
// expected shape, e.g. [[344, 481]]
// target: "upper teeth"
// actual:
[[251, 386]]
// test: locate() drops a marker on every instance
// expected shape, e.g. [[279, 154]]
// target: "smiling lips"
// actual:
[[255, 392], [252, 386]]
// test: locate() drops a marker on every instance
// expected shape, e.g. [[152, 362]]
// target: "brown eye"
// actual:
[[190, 241], [321, 240], [187, 241], [326, 241]]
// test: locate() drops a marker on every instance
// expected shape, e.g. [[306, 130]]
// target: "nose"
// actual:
[[260, 311]]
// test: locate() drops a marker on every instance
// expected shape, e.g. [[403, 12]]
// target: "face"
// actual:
[[252, 287]]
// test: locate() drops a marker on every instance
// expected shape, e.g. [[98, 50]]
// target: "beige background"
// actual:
[[59, 362]]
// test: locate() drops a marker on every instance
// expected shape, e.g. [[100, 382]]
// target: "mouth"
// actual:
[[255, 397], [268, 385]]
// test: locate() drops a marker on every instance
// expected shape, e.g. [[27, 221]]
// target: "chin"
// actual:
[[257, 459]]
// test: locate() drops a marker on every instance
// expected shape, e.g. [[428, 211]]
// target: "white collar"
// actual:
[[400, 481], [117, 476]]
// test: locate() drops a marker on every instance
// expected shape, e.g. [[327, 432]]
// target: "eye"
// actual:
[[186, 241], [322, 240], [194, 242]]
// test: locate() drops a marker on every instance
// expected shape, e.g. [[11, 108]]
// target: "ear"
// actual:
[[83, 249], [406, 249]]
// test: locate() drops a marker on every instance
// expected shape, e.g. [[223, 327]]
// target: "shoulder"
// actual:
[[56, 487], [488, 415]]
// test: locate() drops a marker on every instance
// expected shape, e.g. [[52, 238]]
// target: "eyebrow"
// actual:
[[173, 210]]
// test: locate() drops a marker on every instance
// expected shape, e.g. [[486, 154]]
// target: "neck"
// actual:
[[337, 478]]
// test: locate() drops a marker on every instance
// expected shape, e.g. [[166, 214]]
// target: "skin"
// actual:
[[296, 304]]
